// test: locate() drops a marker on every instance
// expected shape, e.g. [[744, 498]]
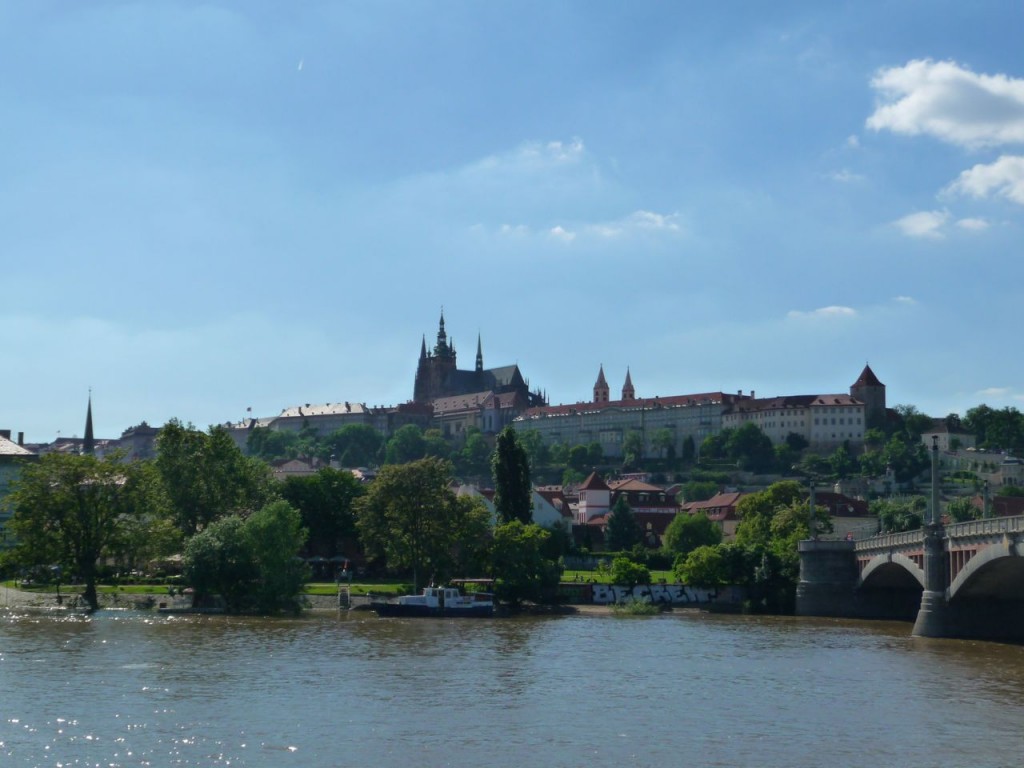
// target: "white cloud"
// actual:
[[951, 103], [534, 156], [1004, 177], [926, 224], [559, 233], [823, 313], [973, 224], [516, 230], [905, 300], [846, 176], [853, 141], [994, 392]]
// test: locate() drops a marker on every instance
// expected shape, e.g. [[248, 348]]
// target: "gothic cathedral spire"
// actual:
[[88, 442], [628, 393], [601, 387], [479, 355]]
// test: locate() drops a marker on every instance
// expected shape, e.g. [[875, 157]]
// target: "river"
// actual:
[[687, 688]]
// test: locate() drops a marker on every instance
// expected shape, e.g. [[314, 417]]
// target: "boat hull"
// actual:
[[427, 611]]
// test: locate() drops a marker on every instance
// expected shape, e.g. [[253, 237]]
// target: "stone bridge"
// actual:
[[962, 580]]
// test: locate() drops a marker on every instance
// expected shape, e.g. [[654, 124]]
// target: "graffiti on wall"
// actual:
[[668, 594]]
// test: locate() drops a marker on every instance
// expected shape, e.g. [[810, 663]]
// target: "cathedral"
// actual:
[[438, 376]]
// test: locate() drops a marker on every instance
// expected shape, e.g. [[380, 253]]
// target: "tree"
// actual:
[[533, 443], [407, 444], [689, 450], [705, 566], [205, 476], [750, 448], [519, 565], [578, 458], [475, 454], [355, 445], [252, 563], [899, 514], [699, 490], [627, 573], [961, 510], [410, 516], [435, 444], [72, 511], [326, 503], [842, 462], [687, 532], [632, 448], [621, 531], [663, 440], [513, 493]]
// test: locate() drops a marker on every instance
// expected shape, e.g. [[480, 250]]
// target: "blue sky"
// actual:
[[210, 207]]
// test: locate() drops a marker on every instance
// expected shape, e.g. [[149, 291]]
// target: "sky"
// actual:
[[212, 207]]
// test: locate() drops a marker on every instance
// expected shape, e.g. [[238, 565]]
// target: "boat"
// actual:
[[437, 601]]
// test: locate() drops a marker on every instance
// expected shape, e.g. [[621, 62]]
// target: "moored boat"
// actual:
[[437, 601]]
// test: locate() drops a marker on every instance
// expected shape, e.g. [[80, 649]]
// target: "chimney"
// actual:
[[21, 439], [5, 433]]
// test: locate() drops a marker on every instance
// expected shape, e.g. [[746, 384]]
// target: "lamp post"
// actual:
[[985, 512]]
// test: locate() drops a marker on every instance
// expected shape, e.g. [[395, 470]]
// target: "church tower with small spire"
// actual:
[[434, 367], [870, 391], [601, 387], [628, 393]]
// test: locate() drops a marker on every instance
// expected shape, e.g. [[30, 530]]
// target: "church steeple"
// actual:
[[628, 393], [423, 348], [88, 442], [479, 355], [443, 348], [601, 387]]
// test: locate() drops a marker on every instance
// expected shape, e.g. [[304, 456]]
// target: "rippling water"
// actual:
[[133, 689]]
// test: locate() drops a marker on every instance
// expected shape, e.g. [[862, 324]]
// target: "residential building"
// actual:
[[12, 456]]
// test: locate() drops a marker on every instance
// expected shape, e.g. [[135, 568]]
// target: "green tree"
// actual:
[[621, 531], [435, 444], [960, 510], [699, 490], [579, 458], [689, 453], [532, 442], [632, 448], [705, 566], [72, 511], [205, 476], [326, 504], [270, 444], [355, 445], [899, 514], [251, 563], [750, 448], [627, 573], [510, 467], [663, 440], [519, 565], [595, 454], [687, 532], [410, 516], [842, 461], [406, 445]]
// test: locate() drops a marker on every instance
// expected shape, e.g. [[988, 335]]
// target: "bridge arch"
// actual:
[[891, 570], [995, 572]]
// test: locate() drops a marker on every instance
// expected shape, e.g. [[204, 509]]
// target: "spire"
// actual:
[[88, 442], [601, 387], [441, 349], [479, 355], [628, 393], [423, 348]]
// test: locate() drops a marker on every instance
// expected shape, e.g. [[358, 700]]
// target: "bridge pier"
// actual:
[[933, 617], [828, 579]]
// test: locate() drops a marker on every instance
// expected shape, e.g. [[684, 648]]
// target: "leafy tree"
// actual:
[[533, 443], [796, 441], [705, 566], [274, 536], [72, 511], [689, 453], [410, 516], [513, 493], [475, 454], [218, 561], [406, 444], [663, 440], [961, 510], [632, 448], [559, 453], [699, 490], [687, 532], [206, 477], [842, 461], [572, 477], [621, 530], [627, 573], [1011, 490], [595, 454], [914, 422], [435, 444], [326, 505], [750, 448], [269, 444], [355, 445], [521, 569], [899, 514], [578, 458], [907, 459]]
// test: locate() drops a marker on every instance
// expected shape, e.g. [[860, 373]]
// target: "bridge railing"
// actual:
[[994, 525], [890, 540]]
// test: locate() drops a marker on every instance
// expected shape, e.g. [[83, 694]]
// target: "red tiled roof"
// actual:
[[645, 403], [594, 483], [867, 378]]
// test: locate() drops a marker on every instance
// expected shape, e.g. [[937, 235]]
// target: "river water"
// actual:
[[688, 688]]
